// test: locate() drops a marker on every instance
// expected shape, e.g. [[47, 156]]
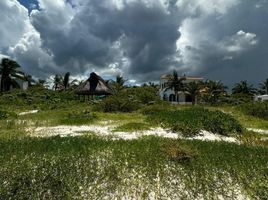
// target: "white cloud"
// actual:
[[14, 22], [239, 42]]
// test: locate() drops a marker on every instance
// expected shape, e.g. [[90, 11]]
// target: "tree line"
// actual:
[[210, 90]]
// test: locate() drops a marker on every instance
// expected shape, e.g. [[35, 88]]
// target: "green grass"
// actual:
[[132, 126], [95, 168], [246, 120]]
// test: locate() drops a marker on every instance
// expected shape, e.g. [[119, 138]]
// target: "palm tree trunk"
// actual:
[[193, 100], [2, 84]]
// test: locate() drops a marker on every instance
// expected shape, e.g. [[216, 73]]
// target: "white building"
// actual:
[[168, 94], [261, 98]]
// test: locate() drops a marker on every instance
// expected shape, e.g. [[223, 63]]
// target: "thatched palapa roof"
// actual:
[[95, 85]]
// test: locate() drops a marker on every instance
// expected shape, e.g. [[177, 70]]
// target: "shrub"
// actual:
[[118, 103], [79, 118], [256, 109], [179, 152], [3, 114], [159, 107], [128, 100], [189, 122]]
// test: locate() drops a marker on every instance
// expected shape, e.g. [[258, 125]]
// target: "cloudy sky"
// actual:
[[141, 39]]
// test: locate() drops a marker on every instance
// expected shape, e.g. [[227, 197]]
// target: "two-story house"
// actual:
[[168, 94]]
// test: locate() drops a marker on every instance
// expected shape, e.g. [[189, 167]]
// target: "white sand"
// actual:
[[262, 131], [107, 130], [205, 135], [28, 112]]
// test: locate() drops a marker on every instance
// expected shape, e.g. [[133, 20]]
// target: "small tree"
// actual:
[[119, 83], [9, 69], [66, 80], [264, 87], [243, 87], [212, 90], [193, 88], [175, 83], [57, 82]]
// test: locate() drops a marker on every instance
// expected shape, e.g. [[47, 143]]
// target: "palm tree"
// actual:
[[212, 90], [119, 83], [57, 82], [66, 80], [243, 87], [29, 79], [193, 88], [175, 83], [264, 87], [8, 71]]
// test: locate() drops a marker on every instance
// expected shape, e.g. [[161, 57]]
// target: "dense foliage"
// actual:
[[129, 100], [37, 97]]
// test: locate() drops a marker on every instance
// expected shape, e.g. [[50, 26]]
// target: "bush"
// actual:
[[191, 121], [256, 109], [3, 114], [179, 152], [118, 103], [128, 100], [159, 107]]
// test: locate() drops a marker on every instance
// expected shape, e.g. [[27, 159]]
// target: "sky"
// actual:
[[223, 40]]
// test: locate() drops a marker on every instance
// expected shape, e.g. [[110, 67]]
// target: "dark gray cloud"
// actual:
[[235, 45], [146, 36], [220, 39]]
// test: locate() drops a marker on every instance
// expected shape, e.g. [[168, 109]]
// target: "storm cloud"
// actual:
[[141, 39]]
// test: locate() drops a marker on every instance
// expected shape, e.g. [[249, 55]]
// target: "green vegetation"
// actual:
[[128, 100], [256, 109], [133, 126], [79, 118], [95, 168], [3, 115], [191, 121], [91, 166]]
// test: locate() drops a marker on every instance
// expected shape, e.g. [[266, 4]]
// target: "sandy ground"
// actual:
[[28, 112], [107, 130], [258, 130]]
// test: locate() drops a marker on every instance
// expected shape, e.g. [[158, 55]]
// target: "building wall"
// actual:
[[261, 98], [23, 84], [165, 93]]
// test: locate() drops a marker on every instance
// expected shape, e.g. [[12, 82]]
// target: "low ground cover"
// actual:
[[191, 121], [95, 168]]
